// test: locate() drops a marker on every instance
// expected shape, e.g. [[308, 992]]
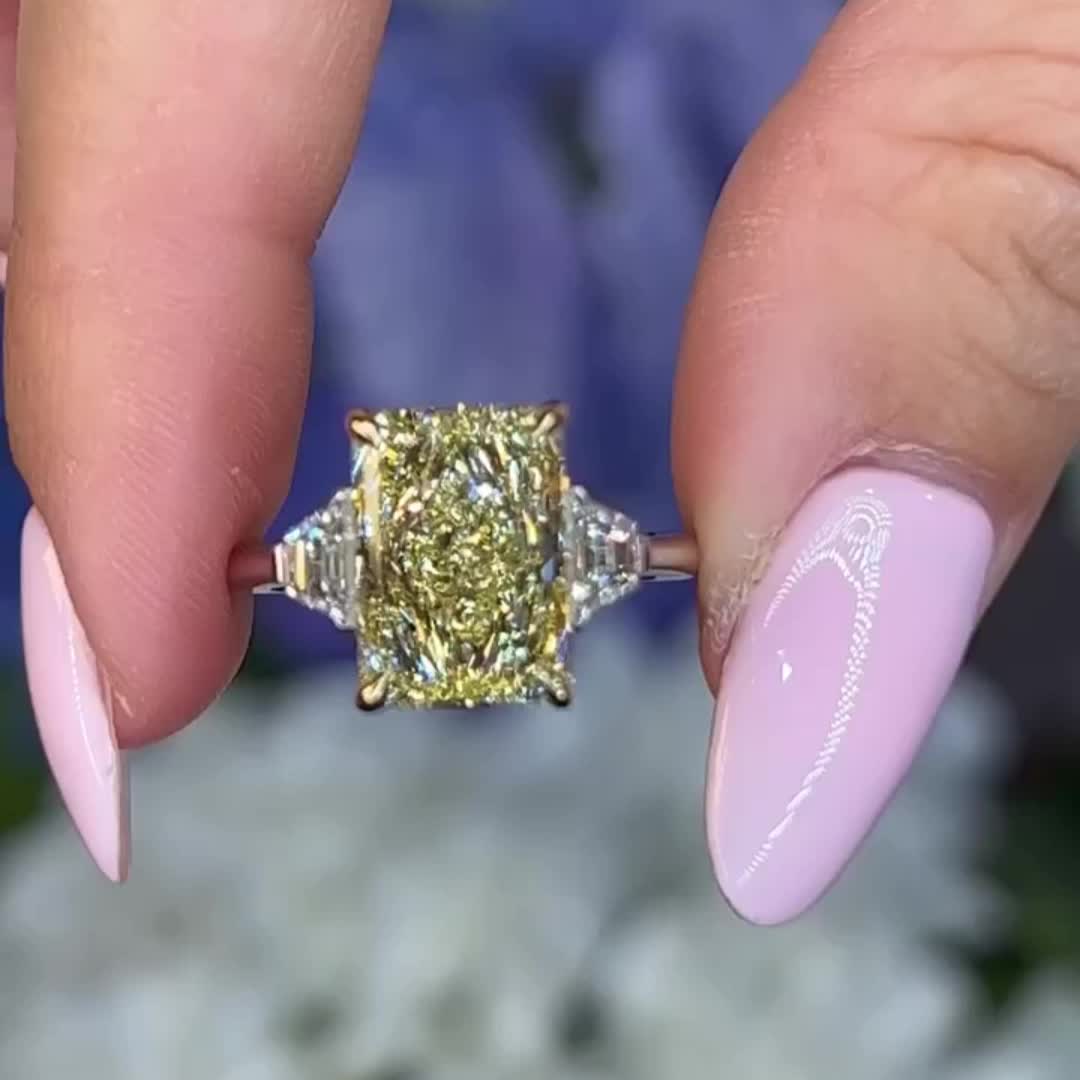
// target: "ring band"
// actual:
[[462, 556], [669, 557]]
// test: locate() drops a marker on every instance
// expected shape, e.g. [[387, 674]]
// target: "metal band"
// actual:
[[251, 569], [670, 557]]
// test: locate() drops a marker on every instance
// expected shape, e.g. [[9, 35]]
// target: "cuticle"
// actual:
[[724, 599], [922, 461]]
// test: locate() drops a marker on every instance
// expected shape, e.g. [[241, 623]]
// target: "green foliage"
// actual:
[[1035, 865], [21, 792], [1038, 860], [22, 772]]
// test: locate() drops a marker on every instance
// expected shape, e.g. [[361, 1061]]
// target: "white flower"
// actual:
[[495, 895]]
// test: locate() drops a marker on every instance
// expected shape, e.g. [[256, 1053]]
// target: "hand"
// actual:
[[877, 376]]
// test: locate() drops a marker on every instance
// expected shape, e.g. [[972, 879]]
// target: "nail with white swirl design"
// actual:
[[836, 670]]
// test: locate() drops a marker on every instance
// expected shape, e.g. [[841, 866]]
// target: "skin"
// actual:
[[891, 275]]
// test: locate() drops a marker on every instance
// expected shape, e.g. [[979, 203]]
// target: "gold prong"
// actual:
[[371, 694], [559, 688], [553, 418], [361, 427]]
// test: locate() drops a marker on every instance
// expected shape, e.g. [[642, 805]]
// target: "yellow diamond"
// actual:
[[462, 597]]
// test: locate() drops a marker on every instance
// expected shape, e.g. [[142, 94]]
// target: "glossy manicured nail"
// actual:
[[72, 705], [837, 668]]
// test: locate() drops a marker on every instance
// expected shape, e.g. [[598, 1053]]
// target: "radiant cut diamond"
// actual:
[[462, 598], [461, 556]]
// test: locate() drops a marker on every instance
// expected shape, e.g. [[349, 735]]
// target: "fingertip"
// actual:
[[839, 664], [73, 706], [158, 332], [149, 579]]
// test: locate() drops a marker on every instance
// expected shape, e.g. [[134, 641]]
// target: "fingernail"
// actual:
[[72, 706], [838, 666]]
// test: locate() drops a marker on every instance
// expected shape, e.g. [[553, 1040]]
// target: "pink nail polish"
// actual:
[[72, 705], [836, 671]]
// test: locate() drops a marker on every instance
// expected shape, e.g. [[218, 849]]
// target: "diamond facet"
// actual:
[[462, 597], [604, 554], [316, 561]]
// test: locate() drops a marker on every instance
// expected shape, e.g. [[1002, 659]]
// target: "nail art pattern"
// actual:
[[854, 543]]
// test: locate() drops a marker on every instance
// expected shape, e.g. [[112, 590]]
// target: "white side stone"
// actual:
[[316, 561], [603, 554]]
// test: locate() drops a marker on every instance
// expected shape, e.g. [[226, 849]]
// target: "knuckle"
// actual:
[[982, 174]]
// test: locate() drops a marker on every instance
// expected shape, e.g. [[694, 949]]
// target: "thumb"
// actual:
[[877, 392], [157, 344]]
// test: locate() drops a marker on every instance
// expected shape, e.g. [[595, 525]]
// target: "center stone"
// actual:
[[462, 598]]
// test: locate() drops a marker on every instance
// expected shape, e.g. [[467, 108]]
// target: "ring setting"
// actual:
[[464, 558]]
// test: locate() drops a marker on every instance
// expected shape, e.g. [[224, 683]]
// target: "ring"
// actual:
[[462, 556]]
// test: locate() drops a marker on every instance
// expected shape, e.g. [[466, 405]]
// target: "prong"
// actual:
[[371, 694], [362, 428], [559, 687], [553, 418]]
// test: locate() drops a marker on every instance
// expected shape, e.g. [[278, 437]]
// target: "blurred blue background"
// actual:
[[522, 223]]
